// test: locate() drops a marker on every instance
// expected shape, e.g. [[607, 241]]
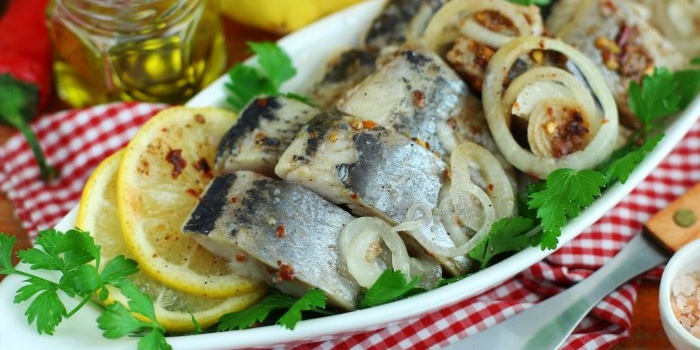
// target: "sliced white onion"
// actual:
[[498, 105], [455, 19], [420, 216], [360, 245], [498, 187]]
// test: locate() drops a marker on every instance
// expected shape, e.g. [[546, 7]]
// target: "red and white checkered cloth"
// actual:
[[76, 141]]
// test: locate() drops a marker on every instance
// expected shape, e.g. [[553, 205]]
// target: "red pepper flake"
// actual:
[[194, 193], [280, 231], [174, 157], [286, 272], [200, 118], [368, 124], [490, 187], [419, 98], [624, 35], [261, 102], [234, 200], [202, 165], [354, 196], [240, 257]]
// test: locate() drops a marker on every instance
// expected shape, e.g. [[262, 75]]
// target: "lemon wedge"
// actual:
[[164, 169], [174, 309]]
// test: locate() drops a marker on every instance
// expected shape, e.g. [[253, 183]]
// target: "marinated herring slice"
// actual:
[[467, 33], [400, 21], [263, 131], [374, 171], [275, 231], [618, 39], [342, 72], [413, 92]]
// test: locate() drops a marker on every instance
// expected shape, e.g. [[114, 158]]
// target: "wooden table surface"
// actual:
[[647, 332]]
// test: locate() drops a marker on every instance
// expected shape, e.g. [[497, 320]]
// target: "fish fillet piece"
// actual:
[[413, 92], [342, 72], [400, 21], [618, 38], [370, 169], [263, 131], [275, 231]]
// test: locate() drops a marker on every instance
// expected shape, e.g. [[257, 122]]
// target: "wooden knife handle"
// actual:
[[679, 223]]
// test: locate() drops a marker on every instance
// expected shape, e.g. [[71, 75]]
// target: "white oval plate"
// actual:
[[309, 48]]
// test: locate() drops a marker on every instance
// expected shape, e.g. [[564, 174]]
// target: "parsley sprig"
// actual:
[[248, 82], [75, 258], [567, 192], [313, 300], [390, 286]]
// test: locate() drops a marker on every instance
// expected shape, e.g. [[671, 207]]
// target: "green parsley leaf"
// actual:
[[197, 327], [656, 97], [34, 285], [624, 160], [568, 191], [48, 311], [247, 82], [695, 60], [276, 64], [688, 86], [40, 260], [507, 234], [139, 302], [314, 298], [118, 268], [72, 253], [117, 321], [154, 340], [6, 244], [531, 2], [84, 280], [390, 286]]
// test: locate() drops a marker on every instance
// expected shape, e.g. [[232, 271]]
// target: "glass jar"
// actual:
[[144, 50]]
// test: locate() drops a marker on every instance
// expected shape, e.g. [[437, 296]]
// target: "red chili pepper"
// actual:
[[25, 69]]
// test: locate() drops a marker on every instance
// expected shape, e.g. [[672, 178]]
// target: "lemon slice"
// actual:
[[174, 309], [164, 169]]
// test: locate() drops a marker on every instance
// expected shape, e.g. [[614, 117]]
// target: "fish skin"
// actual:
[[342, 72], [581, 23], [289, 229], [263, 131], [370, 169], [400, 21], [413, 92]]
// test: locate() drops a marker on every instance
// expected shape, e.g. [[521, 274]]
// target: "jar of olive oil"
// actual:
[[143, 50]]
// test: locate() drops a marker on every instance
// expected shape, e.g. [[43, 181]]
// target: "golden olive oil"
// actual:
[[143, 50]]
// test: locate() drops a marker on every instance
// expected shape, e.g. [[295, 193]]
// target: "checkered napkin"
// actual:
[[76, 141]]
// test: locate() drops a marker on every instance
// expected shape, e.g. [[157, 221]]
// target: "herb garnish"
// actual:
[[390, 286], [76, 257], [507, 234], [313, 300], [247, 82], [567, 191]]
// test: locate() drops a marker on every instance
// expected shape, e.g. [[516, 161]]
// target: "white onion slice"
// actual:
[[420, 216], [498, 186], [360, 245], [498, 105], [455, 19]]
